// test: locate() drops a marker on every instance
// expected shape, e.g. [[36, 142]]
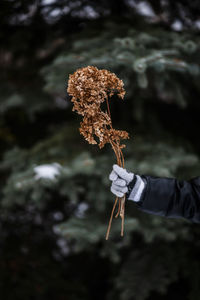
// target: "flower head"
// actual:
[[89, 88]]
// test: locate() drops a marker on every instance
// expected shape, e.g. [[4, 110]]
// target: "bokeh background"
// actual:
[[54, 189]]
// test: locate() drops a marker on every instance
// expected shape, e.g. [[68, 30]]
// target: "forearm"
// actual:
[[170, 197], [167, 197]]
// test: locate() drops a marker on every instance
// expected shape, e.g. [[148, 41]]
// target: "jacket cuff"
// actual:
[[136, 189], [145, 190], [131, 186]]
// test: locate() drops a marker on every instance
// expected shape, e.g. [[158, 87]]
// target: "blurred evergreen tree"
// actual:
[[55, 199]]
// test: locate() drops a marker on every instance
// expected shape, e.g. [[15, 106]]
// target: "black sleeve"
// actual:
[[171, 197]]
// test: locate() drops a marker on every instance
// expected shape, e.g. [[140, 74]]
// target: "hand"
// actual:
[[120, 180], [126, 182]]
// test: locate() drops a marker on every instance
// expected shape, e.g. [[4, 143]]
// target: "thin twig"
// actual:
[[122, 211], [111, 217], [109, 111], [119, 207]]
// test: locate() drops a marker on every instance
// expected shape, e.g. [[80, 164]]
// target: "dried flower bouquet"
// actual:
[[89, 88]]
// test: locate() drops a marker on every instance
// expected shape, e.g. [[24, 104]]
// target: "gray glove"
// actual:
[[126, 182]]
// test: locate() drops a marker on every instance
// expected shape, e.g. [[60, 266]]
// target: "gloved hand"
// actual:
[[126, 182]]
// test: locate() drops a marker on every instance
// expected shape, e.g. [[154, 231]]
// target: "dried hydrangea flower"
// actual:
[[89, 88]]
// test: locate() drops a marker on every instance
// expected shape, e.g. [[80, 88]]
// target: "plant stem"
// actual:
[[111, 217], [121, 201]]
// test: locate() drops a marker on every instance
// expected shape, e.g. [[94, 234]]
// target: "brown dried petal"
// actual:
[[89, 87]]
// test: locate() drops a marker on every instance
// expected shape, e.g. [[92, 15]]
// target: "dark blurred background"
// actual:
[[55, 193]]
